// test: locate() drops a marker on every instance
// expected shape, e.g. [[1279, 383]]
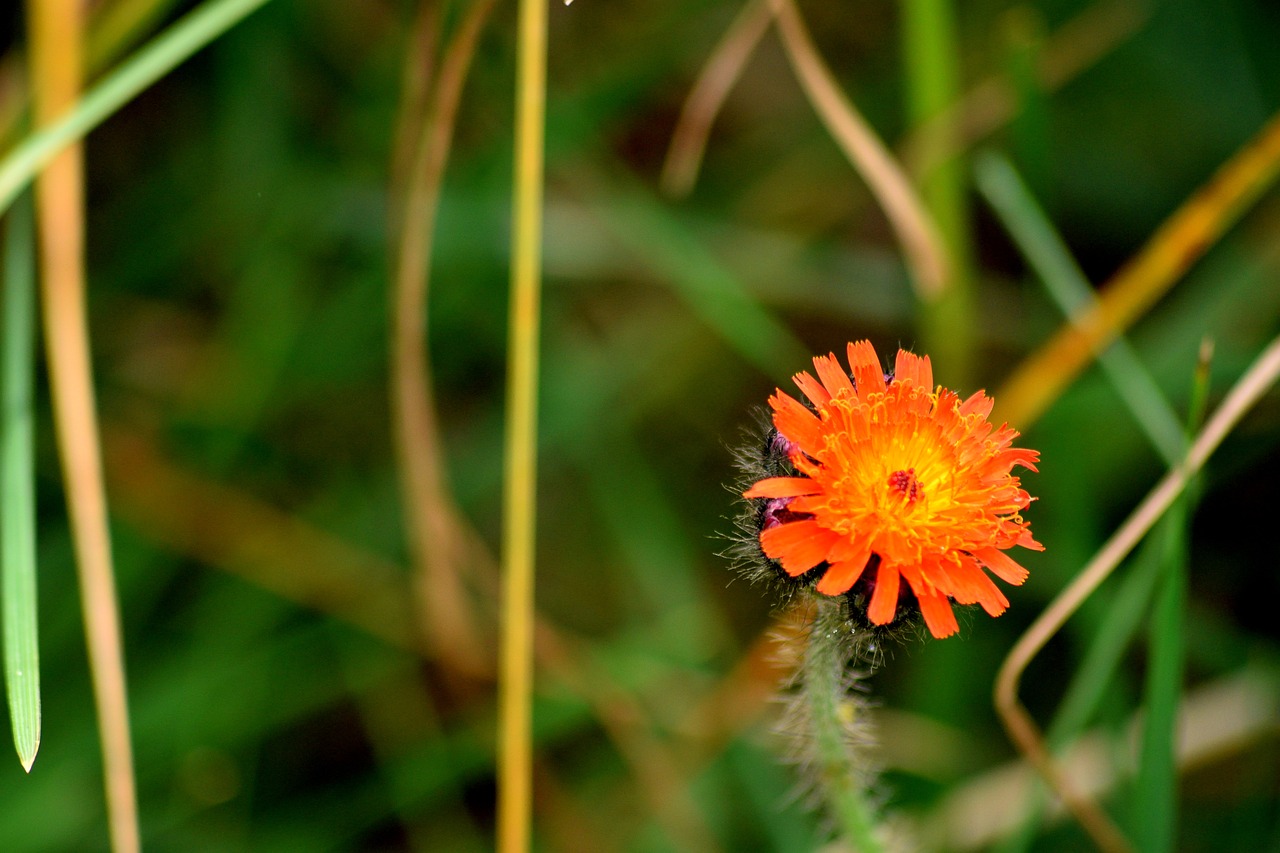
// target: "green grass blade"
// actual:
[[1156, 791], [119, 26], [156, 59], [17, 482], [1045, 251], [1114, 635], [931, 49], [1029, 133]]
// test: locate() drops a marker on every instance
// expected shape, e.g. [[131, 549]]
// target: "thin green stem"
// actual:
[[1156, 789], [932, 68], [831, 713], [519, 490], [160, 56], [17, 468]]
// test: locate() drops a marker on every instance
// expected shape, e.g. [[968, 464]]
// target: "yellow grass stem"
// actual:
[[515, 752], [56, 28]]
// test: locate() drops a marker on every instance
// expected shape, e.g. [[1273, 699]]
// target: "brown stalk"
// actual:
[[439, 538], [1176, 245], [1073, 48], [1017, 720], [719, 74], [917, 233], [56, 29], [1218, 721]]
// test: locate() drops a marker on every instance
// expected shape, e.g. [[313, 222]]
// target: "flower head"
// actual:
[[893, 478]]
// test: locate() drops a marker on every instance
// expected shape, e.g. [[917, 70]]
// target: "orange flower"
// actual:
[[898, 479]]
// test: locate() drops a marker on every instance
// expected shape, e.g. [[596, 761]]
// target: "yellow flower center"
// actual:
[[889, 473]]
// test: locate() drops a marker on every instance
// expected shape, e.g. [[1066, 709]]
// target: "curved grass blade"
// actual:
[[17, 484], [922, 246], [1022, 729]]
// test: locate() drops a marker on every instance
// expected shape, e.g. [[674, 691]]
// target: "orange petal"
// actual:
[[864, 364], [952, 580], [812, 389], [972, 586], [813, 504], [782, 487], [833, 375], [1026, 541], [995, 605], [851, 549], [978, 403], [797, 423], [1002, 565], [884, 601], [911, 366], [1019, 456], [937, 615], [798, 545], [840, 577]]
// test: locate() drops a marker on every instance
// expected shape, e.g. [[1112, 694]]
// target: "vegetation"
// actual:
[[298, 231]]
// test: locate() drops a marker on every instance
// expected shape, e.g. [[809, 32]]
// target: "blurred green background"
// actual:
[[240, 253]]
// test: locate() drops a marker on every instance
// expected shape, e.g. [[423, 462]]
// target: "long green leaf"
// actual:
[[17, 488], [1156, 792]]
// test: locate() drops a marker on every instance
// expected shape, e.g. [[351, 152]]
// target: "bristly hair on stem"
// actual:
[[826, 727], [830, 648]]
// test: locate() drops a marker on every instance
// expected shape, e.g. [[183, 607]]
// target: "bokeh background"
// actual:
[[286, 692]]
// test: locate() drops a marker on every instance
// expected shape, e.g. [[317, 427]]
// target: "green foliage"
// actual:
[[17, 479], [238, 263]]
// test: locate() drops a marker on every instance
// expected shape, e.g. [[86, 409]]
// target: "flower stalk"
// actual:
[[879, 496]]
